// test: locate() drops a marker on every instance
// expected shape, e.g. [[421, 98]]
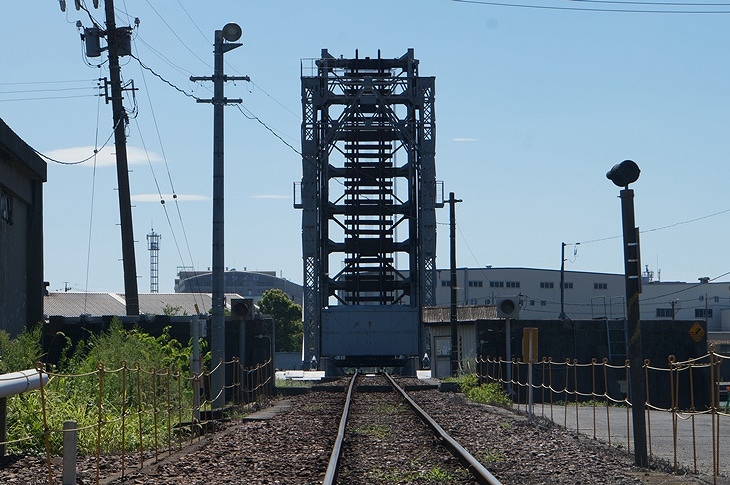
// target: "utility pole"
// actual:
[[225, 40], [118, 44], [114, 37], [454, 320]]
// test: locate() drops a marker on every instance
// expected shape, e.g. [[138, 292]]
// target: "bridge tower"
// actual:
[[368, 195]]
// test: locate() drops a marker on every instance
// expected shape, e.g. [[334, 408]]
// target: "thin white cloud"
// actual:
[[105, 157], [168, 198], [461, 140], [271, 196]]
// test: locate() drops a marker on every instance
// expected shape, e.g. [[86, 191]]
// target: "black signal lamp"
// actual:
[[624, 173]]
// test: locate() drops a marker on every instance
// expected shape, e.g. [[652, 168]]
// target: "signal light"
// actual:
[[242, 308], [624, 173], [508, 307]]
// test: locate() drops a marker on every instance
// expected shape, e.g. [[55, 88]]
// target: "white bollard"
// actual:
[[70, 442]]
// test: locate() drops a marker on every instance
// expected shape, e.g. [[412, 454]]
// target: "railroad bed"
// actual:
[[385, 441], [295, 446]]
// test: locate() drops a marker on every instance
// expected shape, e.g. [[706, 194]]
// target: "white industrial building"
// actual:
[[588, 295]]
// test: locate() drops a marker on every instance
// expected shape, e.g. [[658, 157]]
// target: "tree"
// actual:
[[287, 317]]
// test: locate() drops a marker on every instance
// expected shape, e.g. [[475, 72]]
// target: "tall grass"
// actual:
[[125, 389]]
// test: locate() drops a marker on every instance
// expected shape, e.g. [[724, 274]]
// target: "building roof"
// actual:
[[70, 304], [14, 146]]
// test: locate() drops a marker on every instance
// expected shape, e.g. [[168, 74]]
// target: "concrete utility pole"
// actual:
[[113, 37], [454, 319], [225, 40]]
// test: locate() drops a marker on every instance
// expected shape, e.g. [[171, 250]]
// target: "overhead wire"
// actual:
[[595, 9], [91, 205], [167, 168], [246, 112], [77, 162], [182, 42]]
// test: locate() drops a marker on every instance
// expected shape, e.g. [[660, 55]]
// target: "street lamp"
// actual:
[[622, 175], [225, 40]]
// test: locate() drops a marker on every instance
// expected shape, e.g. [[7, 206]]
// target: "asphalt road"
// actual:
[[693, 435]]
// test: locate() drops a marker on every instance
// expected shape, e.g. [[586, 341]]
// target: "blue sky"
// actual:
[[533, 107]]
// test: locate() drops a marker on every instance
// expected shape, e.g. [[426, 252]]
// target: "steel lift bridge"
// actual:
[[368, 196]]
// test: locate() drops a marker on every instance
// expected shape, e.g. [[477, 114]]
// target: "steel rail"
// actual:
[[331, 474], [481, 474]]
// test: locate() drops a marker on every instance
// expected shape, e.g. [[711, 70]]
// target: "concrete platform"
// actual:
[[278, 408]]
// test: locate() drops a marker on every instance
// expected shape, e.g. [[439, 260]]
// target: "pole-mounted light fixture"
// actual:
[[232, 32], [624, 173]]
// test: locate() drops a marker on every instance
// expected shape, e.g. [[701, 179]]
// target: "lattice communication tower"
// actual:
[[153, 245]]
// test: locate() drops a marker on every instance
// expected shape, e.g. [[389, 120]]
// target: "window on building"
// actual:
[[600, 286], [664, 313], [543, 303], [568, 286], [445, 282], [496, 284], [6, 207], [476, 284], [547, 284], [512, 284], [703, 312]]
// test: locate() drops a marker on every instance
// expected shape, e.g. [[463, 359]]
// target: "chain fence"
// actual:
[[593, 398], [126, 416]]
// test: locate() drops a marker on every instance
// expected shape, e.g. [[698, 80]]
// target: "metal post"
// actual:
[[231, 32], [454, 319], [70, 446], [131, 294], [632, 269], [195, 364], [3, 424], [508, 351], [562, 281]]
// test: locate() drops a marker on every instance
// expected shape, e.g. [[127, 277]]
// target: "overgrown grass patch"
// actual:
[[124, 389]]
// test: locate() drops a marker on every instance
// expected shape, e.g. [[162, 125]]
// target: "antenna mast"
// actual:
[[153, 245]]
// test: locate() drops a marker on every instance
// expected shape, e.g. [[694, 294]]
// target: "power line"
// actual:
[[96, 151], [177, 36], [25, 83], [599, 9], [163, 79], [45, 98], [672, 4], [54, 90]]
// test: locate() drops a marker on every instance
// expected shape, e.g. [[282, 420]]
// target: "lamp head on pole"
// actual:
[[232, 32], [624, 173]]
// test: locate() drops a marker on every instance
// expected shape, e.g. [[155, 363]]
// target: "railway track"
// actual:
[[384, 436]]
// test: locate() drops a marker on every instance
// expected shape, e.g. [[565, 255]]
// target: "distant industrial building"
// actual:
[[74, 304], [587, 295], [22, 174], [248, 284]]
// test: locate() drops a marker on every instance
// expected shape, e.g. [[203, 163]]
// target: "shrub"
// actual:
[[112, 371], [491, 393], [22, 352]]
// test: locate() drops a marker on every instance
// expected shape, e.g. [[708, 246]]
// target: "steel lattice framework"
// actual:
[[368, 130]]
